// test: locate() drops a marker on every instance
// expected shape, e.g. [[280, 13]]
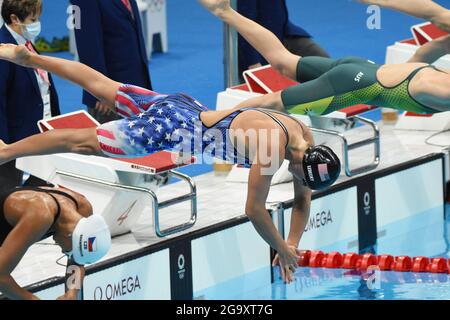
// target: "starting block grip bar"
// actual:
[[346, 147], [155, 204]]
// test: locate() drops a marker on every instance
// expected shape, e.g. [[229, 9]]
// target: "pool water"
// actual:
[[431, 240]]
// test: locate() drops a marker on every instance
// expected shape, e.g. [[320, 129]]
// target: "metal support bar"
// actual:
[[346, 147], [278, 216], [192, 196], [230, 44], [362, 143]]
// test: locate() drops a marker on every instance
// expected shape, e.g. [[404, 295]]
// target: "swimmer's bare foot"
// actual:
[[216, 7], [17, 54]]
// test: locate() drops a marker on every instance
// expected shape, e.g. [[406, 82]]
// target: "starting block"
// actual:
[[264, 80], [118, 189], [404, 50], [426, 32]]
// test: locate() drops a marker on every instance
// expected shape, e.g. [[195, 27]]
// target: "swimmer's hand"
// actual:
[[69, 295], [216, 7], [103, 108], [16, 54], [288, 262]]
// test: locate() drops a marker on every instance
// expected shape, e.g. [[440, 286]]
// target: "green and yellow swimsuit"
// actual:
[[328, 85]]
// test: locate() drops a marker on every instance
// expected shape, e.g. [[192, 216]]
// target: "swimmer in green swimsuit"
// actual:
[[328, 85]]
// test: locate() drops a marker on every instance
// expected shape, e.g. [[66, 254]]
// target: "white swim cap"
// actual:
[[91, 240]]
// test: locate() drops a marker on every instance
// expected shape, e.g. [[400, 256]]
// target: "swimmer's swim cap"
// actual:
[[321, 167], [91, 240]]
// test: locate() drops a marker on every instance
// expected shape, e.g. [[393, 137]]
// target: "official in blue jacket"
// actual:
[[110, 41], [273, 15], [26, 95]]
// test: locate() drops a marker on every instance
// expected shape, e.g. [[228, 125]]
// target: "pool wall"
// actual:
[[352, 216]]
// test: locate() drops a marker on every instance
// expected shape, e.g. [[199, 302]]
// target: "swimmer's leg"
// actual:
[[82, 141], [345, 84], [132, 100], [130, 138], [312, 67], [260, 38]]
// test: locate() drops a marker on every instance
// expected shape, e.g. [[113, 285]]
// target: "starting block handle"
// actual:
[[346, 147], [192, 196]]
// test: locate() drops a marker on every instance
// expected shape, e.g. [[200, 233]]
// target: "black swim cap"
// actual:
[[321, 167]]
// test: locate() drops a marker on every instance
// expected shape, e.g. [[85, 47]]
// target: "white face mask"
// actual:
[[32, 30]]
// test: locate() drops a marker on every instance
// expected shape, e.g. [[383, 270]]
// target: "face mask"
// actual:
[[32, 30]]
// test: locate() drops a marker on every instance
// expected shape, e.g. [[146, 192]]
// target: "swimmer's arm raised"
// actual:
[[82, 141], [30, 229], [432, 51], [264, 41], [100, 86]]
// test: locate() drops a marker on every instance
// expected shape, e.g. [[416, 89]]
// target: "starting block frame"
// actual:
[[347, 147], [156, 205]]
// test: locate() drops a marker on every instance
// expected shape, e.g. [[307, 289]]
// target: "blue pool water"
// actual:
[[426, 238]]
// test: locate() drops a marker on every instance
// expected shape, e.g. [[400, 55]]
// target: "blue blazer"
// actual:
[[21, 105], [111, 42], [271, 14]]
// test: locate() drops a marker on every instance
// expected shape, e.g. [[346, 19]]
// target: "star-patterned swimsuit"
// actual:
[[154, 122]]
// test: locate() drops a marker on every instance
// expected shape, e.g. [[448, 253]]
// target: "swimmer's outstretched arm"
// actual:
[[258, 189], [424, 9], [82, 141], [264, 41], [103, 88]]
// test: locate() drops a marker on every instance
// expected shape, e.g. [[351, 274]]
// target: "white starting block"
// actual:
[[401, 52], [265, 80], [119, 189]]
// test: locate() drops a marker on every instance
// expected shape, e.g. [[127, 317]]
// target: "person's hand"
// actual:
[[16, 54], [288, 262], [216, 7], [69, 295], [103, 108]]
